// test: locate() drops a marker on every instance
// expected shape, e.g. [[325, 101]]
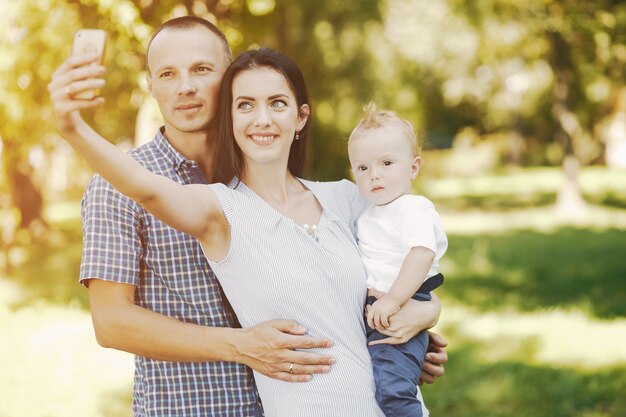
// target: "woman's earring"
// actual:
[[297, 135]]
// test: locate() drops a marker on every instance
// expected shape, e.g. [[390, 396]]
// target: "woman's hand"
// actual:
[[78, 73], [413, 317]]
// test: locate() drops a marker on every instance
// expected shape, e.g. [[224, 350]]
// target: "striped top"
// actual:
[[274, 269], [123, 243]]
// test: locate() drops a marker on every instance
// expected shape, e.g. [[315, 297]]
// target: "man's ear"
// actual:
[[149, 82], [415, 166]]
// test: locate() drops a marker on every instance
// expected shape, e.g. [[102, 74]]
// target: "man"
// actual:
[[151, 291]]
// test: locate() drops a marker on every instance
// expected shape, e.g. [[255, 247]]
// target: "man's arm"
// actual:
[[267, 347], [436, 358]]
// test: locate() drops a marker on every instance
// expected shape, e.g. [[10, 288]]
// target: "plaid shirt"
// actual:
[[123, 243]]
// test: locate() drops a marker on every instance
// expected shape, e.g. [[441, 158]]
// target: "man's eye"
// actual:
[[166, 74], [361, 168], [387, 163], [204, 69]]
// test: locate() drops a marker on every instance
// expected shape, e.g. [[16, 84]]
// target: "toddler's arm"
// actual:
[[412, 274]]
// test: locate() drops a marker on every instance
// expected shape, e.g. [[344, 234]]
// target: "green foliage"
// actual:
[[446, 65]]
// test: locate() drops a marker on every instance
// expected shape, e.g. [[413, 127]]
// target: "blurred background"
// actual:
[[522, 108]]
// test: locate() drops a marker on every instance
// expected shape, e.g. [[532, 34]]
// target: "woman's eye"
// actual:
[[279, 104], [166, 74], [244, 105], [387, 163], [361, 168]]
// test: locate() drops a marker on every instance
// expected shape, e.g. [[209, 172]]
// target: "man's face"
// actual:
[[186, 68]]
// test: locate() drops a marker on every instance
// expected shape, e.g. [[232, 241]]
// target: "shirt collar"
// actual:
[[175, 158]]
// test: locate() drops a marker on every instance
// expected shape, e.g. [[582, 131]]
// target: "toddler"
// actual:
[[401, 241]]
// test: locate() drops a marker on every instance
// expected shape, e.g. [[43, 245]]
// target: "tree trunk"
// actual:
[[569, 200], [25, 194]]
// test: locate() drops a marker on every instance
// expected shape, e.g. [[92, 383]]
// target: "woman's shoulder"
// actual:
[[340, 197], [221, 188], [341, 186], [343, 192], [234, 185]]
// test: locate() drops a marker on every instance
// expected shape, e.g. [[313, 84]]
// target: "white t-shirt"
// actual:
[[387, 233]]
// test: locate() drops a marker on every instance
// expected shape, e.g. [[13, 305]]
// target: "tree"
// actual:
[[539, 69]]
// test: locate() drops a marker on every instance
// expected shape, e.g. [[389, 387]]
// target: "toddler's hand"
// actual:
[[378, 313]]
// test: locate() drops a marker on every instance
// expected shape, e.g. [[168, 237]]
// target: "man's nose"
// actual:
[[187, 85]]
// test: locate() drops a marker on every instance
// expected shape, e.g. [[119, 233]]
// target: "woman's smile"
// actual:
[[263, 138]]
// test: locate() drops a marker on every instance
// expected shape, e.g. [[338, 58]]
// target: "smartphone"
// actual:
[[89, 40]]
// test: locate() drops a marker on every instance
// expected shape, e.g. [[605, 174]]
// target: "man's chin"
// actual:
[[192, 127]]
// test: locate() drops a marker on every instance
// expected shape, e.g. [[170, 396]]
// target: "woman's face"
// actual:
[[265, 116]]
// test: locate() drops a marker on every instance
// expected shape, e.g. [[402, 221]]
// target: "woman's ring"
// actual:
[[291, 368]]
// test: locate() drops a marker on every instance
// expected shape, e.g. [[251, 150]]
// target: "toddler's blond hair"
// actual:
[[375, 118]]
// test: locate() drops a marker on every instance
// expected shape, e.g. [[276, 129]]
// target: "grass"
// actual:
[[48, 270], [529, 270], [534, 309], [52, 366], [474, 387]]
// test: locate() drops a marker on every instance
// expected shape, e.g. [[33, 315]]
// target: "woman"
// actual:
[[281, 246]]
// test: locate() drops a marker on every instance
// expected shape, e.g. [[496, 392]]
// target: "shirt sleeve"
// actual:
[[358, 203], [416, 225], [112, 241], [226, 197]]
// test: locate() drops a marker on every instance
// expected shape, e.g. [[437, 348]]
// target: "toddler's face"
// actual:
[[383, 164]]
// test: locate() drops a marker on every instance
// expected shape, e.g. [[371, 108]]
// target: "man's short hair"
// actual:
[[189, 22]]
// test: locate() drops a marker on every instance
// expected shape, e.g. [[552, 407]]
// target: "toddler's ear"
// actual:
[[415, 166]]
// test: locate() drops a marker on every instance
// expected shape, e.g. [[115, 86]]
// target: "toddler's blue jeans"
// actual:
[[397, 368]]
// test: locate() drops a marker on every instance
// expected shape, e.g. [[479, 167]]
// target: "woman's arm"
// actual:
[[188, 208], [413, 317], [412, 273], [192, 209]]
